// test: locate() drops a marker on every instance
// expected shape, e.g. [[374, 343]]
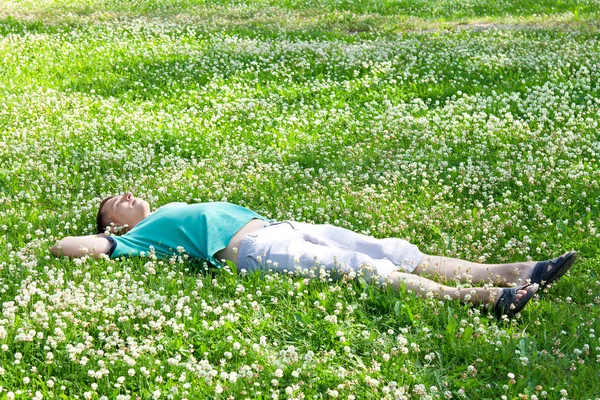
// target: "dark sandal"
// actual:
[[508, 305], [560, 265]]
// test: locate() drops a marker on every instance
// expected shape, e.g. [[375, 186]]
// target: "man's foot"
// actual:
[[512, 300], [547, 272]]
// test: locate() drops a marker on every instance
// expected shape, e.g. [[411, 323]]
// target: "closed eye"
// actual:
[[117, 202]]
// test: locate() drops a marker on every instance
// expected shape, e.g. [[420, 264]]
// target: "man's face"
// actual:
[[126, 210]]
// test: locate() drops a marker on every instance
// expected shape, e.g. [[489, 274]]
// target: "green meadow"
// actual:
[[470, 128]]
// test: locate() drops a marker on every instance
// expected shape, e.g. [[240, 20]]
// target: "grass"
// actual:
[[470, 129]]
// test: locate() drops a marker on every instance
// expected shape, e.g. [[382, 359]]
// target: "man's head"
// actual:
[[120, 211]]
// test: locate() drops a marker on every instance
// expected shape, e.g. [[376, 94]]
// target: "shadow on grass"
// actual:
[[10, 25], [446, 9]]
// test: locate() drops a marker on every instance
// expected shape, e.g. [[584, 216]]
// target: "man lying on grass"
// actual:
[[221, 232]]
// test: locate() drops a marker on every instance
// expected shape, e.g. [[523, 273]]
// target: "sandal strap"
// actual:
[[540, 270], [504, 301], [507, 299]]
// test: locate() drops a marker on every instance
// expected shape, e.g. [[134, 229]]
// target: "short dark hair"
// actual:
[[101, 218]]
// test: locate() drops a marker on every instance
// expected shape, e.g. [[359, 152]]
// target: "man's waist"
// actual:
[[230, 252]]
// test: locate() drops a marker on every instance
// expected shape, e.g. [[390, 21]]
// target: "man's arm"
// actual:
[[79, 246]]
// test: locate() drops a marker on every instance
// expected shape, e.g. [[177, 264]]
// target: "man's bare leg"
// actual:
[[426, 287], [454, 269]]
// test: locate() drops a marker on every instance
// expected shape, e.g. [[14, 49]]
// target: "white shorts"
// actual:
[[303, 248]]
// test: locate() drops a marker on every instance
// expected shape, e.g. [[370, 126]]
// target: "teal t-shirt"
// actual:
[[201, 229]]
